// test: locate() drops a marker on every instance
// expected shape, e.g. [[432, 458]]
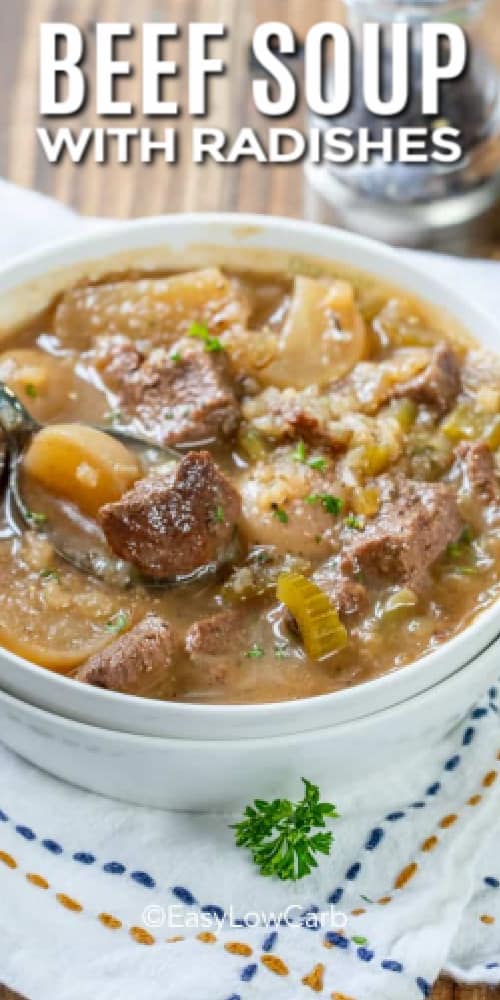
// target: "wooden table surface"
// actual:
[[134, 189]]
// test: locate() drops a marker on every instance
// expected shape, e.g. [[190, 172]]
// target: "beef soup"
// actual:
[[334, 511]]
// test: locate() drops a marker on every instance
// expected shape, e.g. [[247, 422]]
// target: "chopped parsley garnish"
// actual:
[[281, 650], [31, 390], [201, 332], [117, 623], [456, 549], [280, 514], [176, 356], [318, 464], [300, 455], [219, 515], [50, 574], [255, 652], [114, 416], [37, 518], [278, 833], [351, 521], [359, 940], [263, 557], [332, 505]]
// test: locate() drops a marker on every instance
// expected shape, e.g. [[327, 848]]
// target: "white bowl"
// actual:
[[227, 774], [29, 283]]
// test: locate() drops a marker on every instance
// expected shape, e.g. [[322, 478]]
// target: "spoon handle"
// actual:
[[14, 417]]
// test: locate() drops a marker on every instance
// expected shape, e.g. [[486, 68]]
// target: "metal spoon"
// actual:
[[19, 426]]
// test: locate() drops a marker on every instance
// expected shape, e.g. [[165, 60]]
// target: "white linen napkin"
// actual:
[[100, 900]]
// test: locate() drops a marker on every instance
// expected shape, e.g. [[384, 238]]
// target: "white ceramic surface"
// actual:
[[28, 283], [226, 774]]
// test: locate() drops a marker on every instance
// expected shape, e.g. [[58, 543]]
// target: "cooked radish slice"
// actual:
[[57, 660], [81, 464], [42, 383], [323, 337]]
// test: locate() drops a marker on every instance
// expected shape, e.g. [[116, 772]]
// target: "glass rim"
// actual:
[[463, 6]]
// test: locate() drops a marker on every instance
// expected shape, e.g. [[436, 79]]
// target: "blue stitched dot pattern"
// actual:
[[26, 832], [338, 940], [452, 763], [365, 954], [433, 789], [84, 858], [492, 882], [394, 816], [374, 838], [247, 974], [423, 986], [468, 736], [478, 713], [3, 817], [353, 871], [52, 846], [184, 895], [391, 966], [336, 896], [269, 942], [214, 911], [114, 868], [142, 878]]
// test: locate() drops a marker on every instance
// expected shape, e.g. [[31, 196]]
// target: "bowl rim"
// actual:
[[53, 256], [422, 699]]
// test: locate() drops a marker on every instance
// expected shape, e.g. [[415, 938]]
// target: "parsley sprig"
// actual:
[[278, 833]]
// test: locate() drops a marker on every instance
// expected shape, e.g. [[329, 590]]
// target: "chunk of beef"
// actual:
[[415, 524], [478, 470], [117, 359], [139, 662], [347, 595], [172, 525], [438, 384], [212, 643], [181, 396]]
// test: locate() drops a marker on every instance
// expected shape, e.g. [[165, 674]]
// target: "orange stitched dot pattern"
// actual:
[[405, 875], [141, 936], [8, 859], [315, 978], [108, 920], [238, 948], [37, 880], [69, 903], [384, 900], [489, 779], [206, 937], [486, 918], [341, 996], [358, 912], [430, 844], [448, 821], [175, 939], [475, 800], [275, 964]]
